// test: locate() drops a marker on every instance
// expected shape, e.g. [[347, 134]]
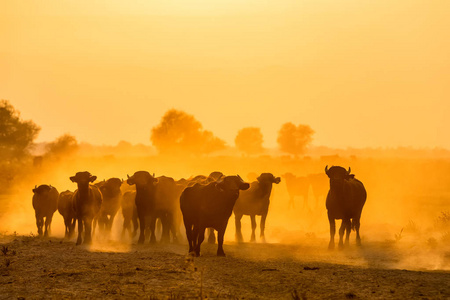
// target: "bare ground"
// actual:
[[35, 268]]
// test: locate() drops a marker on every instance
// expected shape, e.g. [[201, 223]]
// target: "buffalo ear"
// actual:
[[92, 178], [244, 186], [130, 181], [277, 180], [34, 190], [352, 176], [72, 178]]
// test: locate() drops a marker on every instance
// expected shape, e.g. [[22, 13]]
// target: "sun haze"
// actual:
[[359, 73]]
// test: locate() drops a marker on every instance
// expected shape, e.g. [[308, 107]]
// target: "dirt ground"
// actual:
[[35, 268]]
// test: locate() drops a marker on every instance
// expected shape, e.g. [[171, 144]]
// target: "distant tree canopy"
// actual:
[[16, 135], [249, 140], [65, 145], [180, 132], [294, 139]]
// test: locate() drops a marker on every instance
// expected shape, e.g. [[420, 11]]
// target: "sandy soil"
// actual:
[[34, 268]]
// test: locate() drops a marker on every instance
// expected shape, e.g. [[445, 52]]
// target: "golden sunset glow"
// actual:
[[359, 73], [152, 96]]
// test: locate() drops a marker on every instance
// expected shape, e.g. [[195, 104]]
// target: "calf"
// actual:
[[255, 202], [65, 208], [87, 200], [145, 201], [112, 197], [45, 203], [297, 186], [129, 213]]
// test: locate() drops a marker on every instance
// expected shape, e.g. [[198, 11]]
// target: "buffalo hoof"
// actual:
[[78, 242], [331, 246], [221, 254]]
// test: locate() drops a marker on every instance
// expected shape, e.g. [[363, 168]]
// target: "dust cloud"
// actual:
[[405, 223]]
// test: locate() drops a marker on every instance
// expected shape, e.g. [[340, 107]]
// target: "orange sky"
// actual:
[[360, 73]]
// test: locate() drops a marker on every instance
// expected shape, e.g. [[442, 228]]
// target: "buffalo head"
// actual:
[[141, 178], [83, 178], [232, 183], [268, 178]]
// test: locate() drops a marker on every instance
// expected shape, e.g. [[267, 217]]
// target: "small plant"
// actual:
[[5, 250], [443, 220], [296, 296], [7, 262], [412, 227], [398, 236]]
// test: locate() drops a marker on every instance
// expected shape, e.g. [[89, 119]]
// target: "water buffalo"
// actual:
[[255, 202], [209, 205], [112, 197], [65, 208], [145, 201], [319, 185], [167, 209], [129, 213], [345, 200], [87, 200], [45, 203], [297, 186], [202, 179]]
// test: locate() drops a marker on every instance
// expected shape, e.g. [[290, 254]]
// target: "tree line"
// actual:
[[178, 132]]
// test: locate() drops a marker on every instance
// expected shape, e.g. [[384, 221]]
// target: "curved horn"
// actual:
[[326, 169], [240, 177], [153, 174], [349, 170], [128, 176], [35, 186]]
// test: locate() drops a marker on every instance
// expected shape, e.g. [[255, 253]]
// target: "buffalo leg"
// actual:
[[87, 231], [39, 224], [48, 224], [341, 233], [142, 229], [211, 236], [201, 238], [72, 227], [253, 221], [291, 202], [220, 234], [332, 231], [237, 221], [80, 230], [67, 224], [356, 225], [189, 236], [263, 227], [152, 225], [348, 228]]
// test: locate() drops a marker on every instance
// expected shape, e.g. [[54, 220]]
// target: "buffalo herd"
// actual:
[[149, 203]]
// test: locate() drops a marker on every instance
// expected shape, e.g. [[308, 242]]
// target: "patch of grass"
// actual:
[[296, 296], [5, 250], [7, 262], [398, 236], [443, 221], [412, 227]]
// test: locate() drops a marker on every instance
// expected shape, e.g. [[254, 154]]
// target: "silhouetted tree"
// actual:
[[294, 139], [180, 132], [16, 135], [65, 145], [249, 140]]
